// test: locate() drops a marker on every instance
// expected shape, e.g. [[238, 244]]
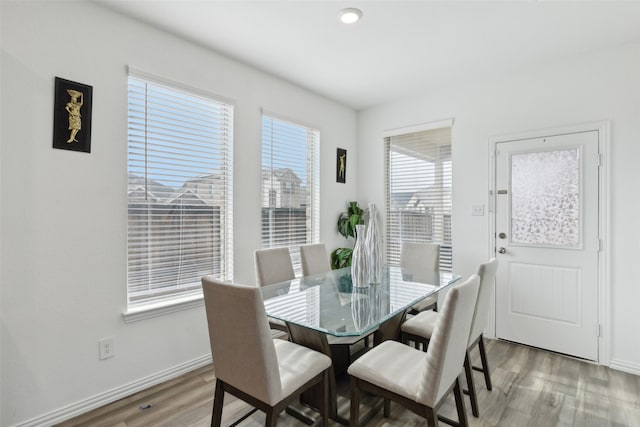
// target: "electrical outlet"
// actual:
[[106, 348]]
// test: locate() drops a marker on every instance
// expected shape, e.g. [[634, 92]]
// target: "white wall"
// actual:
[[64, 216], [592, 87]]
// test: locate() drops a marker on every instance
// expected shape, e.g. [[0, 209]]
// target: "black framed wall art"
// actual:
[[72, 115], [341, 165]]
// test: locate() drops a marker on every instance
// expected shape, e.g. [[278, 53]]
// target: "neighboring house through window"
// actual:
[[419, 190], [179, 191], [290, 202]]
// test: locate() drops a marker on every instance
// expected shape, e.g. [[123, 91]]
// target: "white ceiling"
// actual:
[[399, 47]]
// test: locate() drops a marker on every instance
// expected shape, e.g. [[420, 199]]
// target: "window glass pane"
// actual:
[[545, 198], [419, 184], [290, 203], [179, 191]]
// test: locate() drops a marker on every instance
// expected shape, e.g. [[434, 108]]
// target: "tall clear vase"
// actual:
[[359, 259], [373, 243], [361, 307], [375, 300]]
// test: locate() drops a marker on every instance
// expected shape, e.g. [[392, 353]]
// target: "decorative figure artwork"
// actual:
[[341, 166], [73, 108], [72, 116]]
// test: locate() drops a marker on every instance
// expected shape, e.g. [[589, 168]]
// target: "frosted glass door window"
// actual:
[[545, 198]]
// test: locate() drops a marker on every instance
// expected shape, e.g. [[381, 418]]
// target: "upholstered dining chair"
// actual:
[[266, 373], [419, 329], [417, 380], [418, 262], [274, 265], [314, 259]]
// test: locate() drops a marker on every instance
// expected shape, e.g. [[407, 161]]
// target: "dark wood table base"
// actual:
[[342, 357]]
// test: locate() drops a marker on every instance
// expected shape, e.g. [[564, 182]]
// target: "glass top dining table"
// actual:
[[329, 303]]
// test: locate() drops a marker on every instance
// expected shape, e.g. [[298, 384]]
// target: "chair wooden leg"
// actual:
[[272, 418], [387, 408], [432, 418], [354, 420], [471, 386], [325, 400], [218, 401], [485, 364], [462, 413]]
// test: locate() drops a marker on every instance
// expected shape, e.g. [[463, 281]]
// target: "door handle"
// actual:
[[502, 251]]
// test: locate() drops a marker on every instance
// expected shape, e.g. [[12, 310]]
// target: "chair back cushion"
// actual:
[[487, 273], [242, 349], [314, 259], [419, 261], [448, 344], [273, 266]]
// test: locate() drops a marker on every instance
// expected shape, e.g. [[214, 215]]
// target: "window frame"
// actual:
[[312, 185], [441, 227], [218, 113]]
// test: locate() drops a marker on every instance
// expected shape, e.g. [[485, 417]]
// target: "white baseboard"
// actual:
[[621, 365], [112, 395]]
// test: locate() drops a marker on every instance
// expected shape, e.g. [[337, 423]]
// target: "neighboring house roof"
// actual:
[[153, 188], [159, 193], [192, 197], [420, 199], [202, 179], [156, 192], [401, 198], [281, 173], [139, 192]]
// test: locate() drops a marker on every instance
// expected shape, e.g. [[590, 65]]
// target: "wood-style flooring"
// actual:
[[531, 387]]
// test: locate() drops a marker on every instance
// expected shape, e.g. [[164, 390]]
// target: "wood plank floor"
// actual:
[[530, 388]]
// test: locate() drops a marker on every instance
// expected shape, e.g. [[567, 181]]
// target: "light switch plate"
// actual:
[[477, 210]]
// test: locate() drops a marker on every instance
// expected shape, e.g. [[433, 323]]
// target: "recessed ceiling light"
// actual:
[[350, 15]]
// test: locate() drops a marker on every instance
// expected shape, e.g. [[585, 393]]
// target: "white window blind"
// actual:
[[179, 191], [419, 185], [290, 186]]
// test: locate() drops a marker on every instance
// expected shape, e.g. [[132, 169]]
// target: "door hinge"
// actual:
[[600, 245], [598, 159], [598, 330]]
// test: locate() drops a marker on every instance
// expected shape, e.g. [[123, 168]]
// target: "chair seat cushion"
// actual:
[[422, 324], [277, 334], [297, 365], [393, 366], [425, 304]]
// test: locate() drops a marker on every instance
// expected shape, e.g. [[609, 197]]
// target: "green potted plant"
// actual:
[[347, 222]]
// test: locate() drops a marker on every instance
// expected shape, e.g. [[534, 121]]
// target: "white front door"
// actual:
[[547, 242]]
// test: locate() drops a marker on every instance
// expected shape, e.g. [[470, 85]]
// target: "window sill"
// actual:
[[149, 311]]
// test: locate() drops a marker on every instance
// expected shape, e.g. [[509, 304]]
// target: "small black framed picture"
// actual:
[[72, 115], [341, 165]]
